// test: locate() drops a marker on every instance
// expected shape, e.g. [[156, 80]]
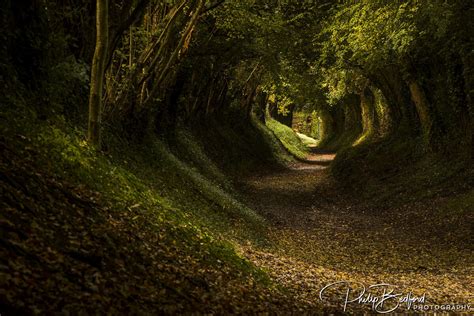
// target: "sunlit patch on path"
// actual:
[[316, 160]]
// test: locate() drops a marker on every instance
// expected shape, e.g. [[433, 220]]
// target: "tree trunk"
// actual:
[[260, 105], [369, 115], [383, 115], [421, 104], [402, 119], [353, 127], [98, 72], [177, 51], [326, 126]]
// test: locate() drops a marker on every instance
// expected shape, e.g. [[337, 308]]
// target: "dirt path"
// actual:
[[323, 236]]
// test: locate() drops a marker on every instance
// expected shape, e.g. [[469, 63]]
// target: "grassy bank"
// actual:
[[400, 171], [290, 140], [149, 226]]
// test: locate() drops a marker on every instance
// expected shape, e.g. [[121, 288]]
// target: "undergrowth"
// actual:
[[178, 189]]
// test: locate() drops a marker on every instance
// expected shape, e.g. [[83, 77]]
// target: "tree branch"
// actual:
[[132, 19]]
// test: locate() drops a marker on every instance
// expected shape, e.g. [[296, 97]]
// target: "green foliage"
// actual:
[[369, 34], [365, 37], [288, 138], [308, 123]]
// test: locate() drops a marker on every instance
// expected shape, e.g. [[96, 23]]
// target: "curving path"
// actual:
[[321, 235]]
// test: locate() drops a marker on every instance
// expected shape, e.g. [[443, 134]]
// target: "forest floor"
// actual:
[[322, 235], [83, 232]]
